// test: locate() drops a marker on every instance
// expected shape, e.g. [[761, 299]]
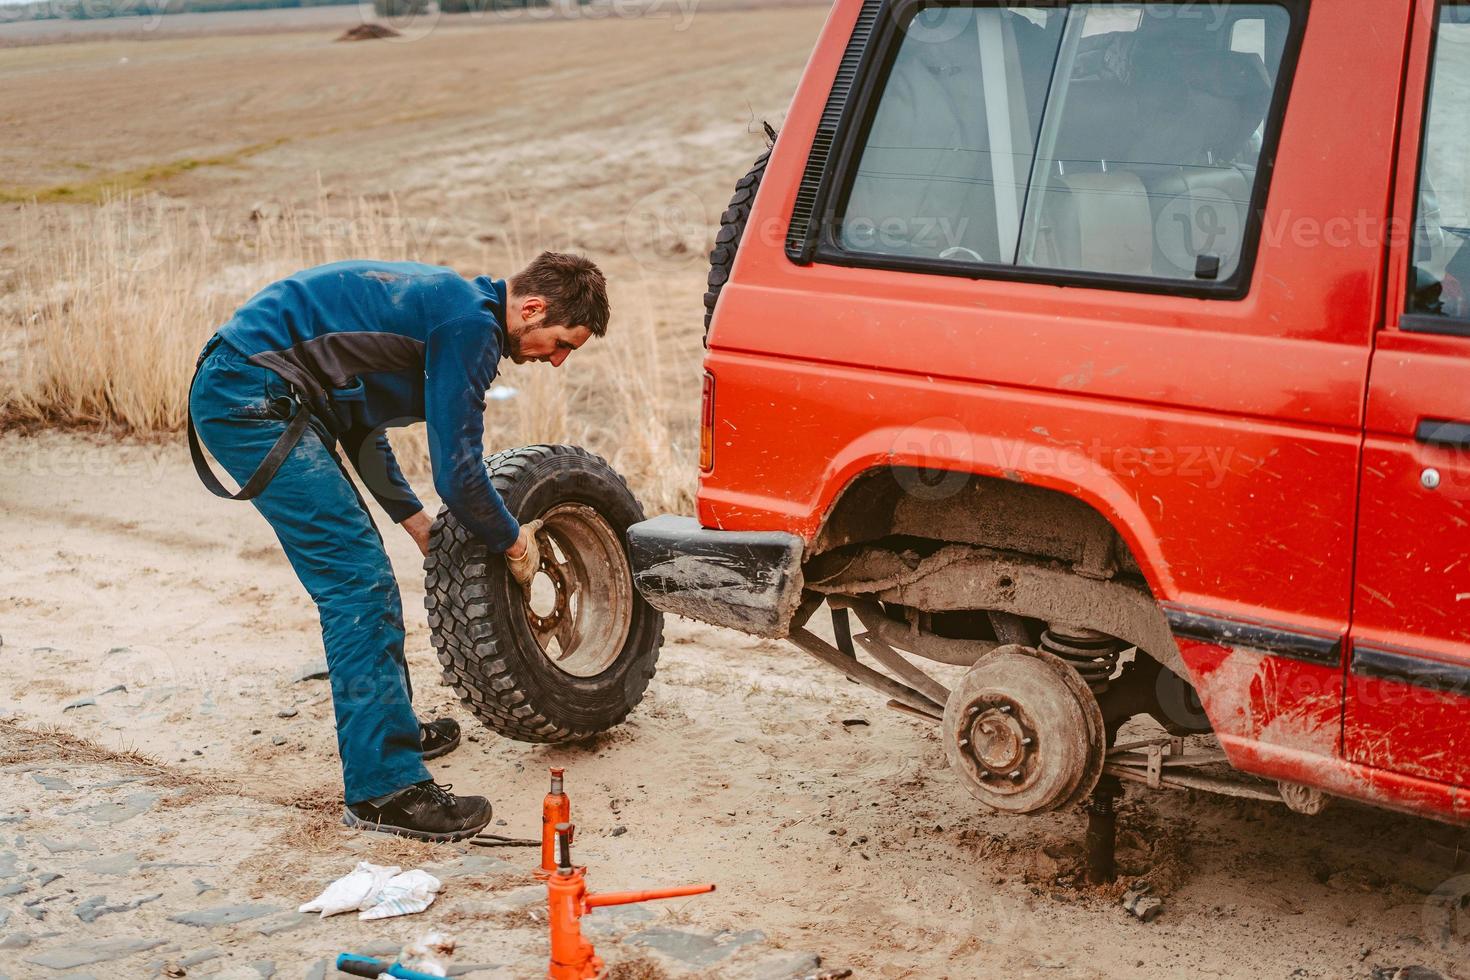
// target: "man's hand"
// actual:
[[524, 557], [417, 526]]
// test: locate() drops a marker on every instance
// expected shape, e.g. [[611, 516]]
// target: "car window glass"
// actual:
[[1147, 162], [948, 152], [1092, 137], [1440, 285]]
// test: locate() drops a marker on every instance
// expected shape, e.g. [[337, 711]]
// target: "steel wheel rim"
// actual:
[[580, 608]]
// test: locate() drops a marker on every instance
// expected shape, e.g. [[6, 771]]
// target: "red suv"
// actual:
[[1117, 356]]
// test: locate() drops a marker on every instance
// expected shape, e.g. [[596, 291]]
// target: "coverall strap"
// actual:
[[292, 434]]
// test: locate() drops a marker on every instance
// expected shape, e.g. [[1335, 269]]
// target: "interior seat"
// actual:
[[1097, 222], [1095, 215], [1195, 160]]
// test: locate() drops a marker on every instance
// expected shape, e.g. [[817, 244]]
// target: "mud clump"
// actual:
[[368, 32]]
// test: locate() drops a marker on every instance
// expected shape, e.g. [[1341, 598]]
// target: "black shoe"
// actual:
[[438, 737], [424, 810]]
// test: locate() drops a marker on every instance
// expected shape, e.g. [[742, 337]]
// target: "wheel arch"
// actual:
[[1039, 544], [939, 455]]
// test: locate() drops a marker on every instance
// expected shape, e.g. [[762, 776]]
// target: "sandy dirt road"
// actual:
[[746, 766]]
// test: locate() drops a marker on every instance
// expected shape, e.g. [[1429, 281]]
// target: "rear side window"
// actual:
[[1439, 298], [1069, 142]]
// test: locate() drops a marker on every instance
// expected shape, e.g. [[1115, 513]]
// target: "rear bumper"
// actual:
[[745, 580]]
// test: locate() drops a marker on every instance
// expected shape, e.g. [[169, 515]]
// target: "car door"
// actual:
[[1407, 706]]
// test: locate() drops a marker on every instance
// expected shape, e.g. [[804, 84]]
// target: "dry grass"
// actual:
[[111, 305], [640, 968], [51, 744], [321, 800], [297, 853]]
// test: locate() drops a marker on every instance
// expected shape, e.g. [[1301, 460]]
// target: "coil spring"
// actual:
[[1094, 655]]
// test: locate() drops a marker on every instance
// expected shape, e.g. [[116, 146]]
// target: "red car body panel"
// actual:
[[1412, 589], [1224, 440]]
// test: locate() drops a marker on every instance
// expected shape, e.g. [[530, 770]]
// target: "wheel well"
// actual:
[[988, 512], [940, 542]]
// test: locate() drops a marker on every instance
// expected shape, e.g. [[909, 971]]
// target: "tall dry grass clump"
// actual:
[[111, 305], [108, 303], [114, 302]]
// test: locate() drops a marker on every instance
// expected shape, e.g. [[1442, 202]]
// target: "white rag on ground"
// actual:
[[376, 892]]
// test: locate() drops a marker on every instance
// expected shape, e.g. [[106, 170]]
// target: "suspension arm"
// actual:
[[862, 673]]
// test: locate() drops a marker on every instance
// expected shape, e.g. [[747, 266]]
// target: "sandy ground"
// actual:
[[745, 766], [621, 136]]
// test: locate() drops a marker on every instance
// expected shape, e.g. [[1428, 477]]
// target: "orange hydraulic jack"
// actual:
[[556, 808], [572, 957]]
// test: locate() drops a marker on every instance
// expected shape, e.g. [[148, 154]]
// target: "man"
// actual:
[[334, 355]]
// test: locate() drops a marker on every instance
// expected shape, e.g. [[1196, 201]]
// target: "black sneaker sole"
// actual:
[[350, 819], [444, 749]]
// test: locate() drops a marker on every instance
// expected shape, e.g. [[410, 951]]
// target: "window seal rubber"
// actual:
[[1431, 323]]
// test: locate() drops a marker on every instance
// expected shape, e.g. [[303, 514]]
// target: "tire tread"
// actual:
[[472, 653], [727, 239]]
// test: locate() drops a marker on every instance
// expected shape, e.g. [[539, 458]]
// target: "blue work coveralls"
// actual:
[[363, 346]]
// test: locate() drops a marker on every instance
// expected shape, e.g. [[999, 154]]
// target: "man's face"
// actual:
[[532, 339]]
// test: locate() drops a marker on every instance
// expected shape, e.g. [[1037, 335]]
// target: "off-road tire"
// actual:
[[727, 240], [477, 619]]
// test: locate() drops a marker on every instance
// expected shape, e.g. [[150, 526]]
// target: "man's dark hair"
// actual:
[[573, 287]]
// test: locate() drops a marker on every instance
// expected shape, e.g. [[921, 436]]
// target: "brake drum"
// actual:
[[1024, 732]]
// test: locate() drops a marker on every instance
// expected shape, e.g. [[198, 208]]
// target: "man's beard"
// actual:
[[513, 347]]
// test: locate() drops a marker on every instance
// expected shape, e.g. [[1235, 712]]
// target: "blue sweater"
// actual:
[[372, 345]]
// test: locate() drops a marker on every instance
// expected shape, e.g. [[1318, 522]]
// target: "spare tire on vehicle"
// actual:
[[732, 230], [574, 657]]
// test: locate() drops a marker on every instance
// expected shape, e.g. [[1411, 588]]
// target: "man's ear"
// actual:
[[533, 311]]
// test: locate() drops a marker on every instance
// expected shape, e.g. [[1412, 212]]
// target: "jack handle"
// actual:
[[632, 898], [365, 966]]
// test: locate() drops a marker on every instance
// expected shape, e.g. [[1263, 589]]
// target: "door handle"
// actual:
[[1437, 432]]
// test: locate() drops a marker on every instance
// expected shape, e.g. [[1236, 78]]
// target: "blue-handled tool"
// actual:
[[366, 966]]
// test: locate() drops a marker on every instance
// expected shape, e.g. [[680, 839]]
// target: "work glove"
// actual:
[[524, 568]]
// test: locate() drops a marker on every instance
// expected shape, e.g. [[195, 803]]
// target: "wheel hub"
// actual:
[[1000, 742], [580, 606], [549, 622], [1024, 732]]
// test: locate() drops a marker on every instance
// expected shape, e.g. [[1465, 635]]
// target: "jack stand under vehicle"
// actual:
[[567, 899], [1102, 831]]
